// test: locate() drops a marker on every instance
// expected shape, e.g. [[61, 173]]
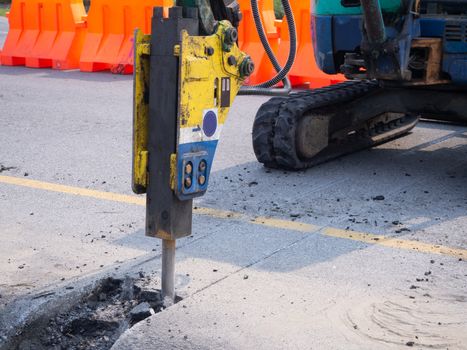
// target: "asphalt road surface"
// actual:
[[278, 260]]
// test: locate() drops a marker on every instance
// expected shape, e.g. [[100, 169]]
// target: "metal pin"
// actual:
[[202, 180], [168, 271], [202, 166], [188, 168]]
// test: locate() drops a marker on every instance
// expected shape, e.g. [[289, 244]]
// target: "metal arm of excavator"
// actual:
[[373, 19], [386, 47]]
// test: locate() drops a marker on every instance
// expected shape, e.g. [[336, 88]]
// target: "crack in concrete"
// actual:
[[253, 263], [6, 168]]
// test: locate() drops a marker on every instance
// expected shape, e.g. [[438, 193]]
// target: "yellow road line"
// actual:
[[286, 224], [395, 242], [263, 221], [77, 191], [219, 214]]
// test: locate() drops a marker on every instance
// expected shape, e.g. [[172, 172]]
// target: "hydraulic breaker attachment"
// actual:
[[184, 87]]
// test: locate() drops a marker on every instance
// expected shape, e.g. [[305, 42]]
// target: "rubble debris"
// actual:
[[97, 320], [140, 312]]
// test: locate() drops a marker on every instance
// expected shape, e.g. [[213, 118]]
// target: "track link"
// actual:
[[263, 131], [275, 126]]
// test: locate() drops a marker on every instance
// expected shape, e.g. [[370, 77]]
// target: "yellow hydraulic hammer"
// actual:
[[184, 86]]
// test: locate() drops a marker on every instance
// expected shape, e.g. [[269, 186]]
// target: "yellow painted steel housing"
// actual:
[[206, 63]]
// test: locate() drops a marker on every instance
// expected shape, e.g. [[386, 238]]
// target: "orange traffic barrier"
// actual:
[[304, 72], [249, 42], [109, 39], [45, 33]]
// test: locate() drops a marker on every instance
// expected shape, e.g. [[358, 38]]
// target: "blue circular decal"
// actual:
[[210, 124]]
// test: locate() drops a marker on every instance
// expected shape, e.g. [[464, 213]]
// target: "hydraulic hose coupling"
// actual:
[[247, 67], [230, 38]]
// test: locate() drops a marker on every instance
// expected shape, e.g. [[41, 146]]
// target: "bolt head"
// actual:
[[202, 180], [188, 182], [202, 166], [232, 61], [188, 168], [247, 67], [230, 36]]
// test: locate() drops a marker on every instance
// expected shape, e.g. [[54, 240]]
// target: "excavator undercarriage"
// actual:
[[312, 127]]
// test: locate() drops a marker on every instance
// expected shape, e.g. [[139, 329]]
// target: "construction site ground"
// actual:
[[365, 252]]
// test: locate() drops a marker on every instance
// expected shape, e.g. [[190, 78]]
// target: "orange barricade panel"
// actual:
[[109, 39], [45, 33], [304, 72], [69, 42], [22, 35], [249, 42]]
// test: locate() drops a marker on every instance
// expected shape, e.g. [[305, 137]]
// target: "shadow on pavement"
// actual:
[[339, 194]]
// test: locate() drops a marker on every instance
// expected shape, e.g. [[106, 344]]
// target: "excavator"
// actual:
[[404, 60]]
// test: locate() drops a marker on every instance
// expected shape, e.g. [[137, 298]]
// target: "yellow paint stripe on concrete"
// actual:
[[220, 214], [395, 242], [286, 224], [77, 191], [269, 222]]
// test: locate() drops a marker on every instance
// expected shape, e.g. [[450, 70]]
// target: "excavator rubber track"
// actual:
[[276, 126]]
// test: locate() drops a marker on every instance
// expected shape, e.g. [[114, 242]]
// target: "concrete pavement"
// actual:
[[267, 266], [344, 295]]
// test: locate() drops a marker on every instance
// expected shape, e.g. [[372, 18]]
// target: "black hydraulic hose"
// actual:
[[282, 72], [266, 88]]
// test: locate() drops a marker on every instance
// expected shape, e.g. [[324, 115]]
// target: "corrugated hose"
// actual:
[[267, 88]]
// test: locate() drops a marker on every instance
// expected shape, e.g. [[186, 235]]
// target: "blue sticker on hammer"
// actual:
[[210, 123]]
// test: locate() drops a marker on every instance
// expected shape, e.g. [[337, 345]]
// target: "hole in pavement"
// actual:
[[98, 319]]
